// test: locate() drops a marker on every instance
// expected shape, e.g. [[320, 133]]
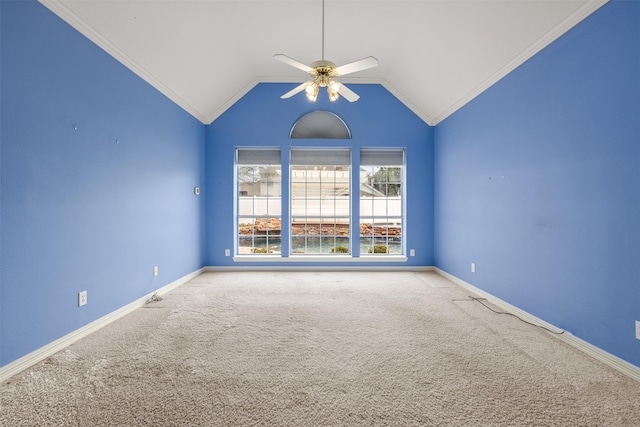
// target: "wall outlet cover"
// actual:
[[638, 329], [82, 298]]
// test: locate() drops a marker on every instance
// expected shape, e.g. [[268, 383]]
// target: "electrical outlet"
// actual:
[[82, 298], [638, 329], [473, 267], [227, 252], [155, 271], [412, 252]]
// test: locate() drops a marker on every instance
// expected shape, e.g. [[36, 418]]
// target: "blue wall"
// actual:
[[1, 92], [538, 183], [97, 177], [261, 118]]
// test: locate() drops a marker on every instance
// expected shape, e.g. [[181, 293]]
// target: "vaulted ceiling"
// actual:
[[435, 56]]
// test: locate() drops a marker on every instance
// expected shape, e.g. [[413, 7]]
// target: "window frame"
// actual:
[[257, 158], [391, 222], [286, 215], [320, 162]]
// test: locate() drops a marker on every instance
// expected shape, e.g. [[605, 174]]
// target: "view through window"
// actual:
[[320, 200], [259, 205], [381, 193]]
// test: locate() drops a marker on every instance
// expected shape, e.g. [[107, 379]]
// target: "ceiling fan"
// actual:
[[324, 72]]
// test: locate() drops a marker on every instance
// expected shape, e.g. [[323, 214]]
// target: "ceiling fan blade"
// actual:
[[348, 94], [352, 67], [295, 90], [292, 62]]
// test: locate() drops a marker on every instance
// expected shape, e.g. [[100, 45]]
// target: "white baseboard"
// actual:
[[332, 259], [240, 268], [42, 353], [629, 369]]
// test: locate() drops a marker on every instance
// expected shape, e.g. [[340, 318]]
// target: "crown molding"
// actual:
[[67, 15], [552, 35], [347, 80], [410, 105]]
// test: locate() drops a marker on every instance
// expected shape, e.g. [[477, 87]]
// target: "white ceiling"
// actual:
[[435, 56]]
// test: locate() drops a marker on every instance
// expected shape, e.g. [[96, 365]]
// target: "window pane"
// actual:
[[245, 228], [312, 190], [366, 206], [259, 236], [320, 203], [247, 175], [298, 228], [396, 229], [342, 206], [298, 245], [342, 228], [394, 190], [328, 207], [326, 244], [245, 206], [298, 175], [380, 207], [394, 205], [260, 206], [328, 229], [313, 229], [275, 206], [381, 202], [259, 202], [394, 175]]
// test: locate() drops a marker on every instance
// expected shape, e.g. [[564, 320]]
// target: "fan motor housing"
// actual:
[[323, 71]]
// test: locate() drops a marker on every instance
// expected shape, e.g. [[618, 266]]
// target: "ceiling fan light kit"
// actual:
[[323, 74], [312, 91]]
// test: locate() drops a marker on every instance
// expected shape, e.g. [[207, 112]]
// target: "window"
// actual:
[[259, 201], [381, 193], [318, 212], [321, 125], [320, 201]]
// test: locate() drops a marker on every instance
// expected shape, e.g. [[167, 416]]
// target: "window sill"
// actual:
[[320, 258]]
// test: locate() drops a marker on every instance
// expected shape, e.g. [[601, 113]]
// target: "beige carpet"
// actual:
[[319, 349]]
